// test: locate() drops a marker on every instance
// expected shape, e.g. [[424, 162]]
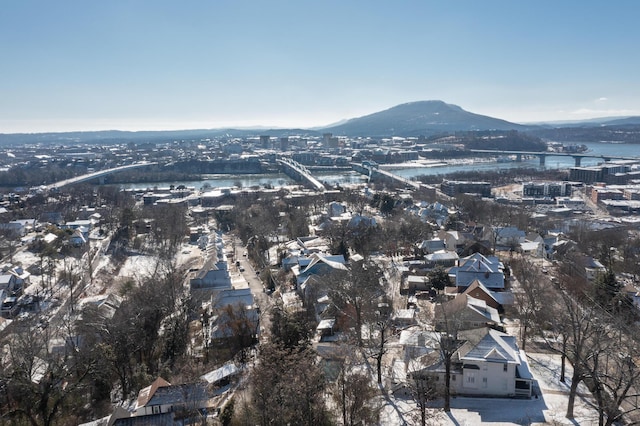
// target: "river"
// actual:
[[278, 180]]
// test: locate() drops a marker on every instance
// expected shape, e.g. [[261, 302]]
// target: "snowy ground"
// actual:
[[550, 408]]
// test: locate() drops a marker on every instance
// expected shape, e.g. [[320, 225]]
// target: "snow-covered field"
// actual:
[[550, 408]]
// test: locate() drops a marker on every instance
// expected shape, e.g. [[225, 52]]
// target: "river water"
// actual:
[[278, 180]]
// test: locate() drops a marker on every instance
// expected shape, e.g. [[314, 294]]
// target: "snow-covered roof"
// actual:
[[486, 344], [335, 262], [529, 246], [326, 324], [218, 374]]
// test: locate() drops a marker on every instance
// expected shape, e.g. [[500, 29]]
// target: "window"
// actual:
[[505, 367], [453, 378]]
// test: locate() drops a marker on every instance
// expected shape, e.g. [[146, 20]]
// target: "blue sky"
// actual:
[[136, 65]]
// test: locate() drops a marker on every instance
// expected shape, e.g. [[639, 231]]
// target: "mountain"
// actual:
[[425, 118]]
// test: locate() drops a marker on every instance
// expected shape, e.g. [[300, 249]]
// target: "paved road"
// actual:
[[256, 285]]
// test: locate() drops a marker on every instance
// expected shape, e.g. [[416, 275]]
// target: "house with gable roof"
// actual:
[[454, 240], [506, 236], [495, 299], [214, 274], [468, 313], [318, 264], [487, 363], [590, 268], [490, 363], [435, 212], [162, 397], [430, 246], [19, 227], [443, 258], [78, 238], [232, 306], [486, 269]]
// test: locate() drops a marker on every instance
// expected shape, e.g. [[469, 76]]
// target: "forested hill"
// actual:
[[507, 141], [423, 118], [621, 133]]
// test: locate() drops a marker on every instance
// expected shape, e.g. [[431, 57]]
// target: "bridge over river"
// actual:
[[542, 155], [297, 171], [97, 175], [301, 173], [375, 172]]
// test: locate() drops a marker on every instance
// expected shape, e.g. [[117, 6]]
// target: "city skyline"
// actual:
[[163, 66]]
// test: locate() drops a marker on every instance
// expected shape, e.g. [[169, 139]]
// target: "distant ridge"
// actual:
[[154, 136], [420, 118], [592, 122]]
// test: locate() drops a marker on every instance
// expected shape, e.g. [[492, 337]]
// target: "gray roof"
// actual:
[[187, 393], [432, 245], [486, 344], [163, 419], [487, 270]]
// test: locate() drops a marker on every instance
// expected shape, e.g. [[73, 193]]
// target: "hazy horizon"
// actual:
[[86, 66]]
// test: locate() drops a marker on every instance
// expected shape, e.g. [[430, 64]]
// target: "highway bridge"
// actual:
[[298, 172], [577, 156], [97, 175]]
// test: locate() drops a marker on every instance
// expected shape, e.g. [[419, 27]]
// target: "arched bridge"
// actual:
[[97, 175], [297, 171], [542, 155], [376, 173]]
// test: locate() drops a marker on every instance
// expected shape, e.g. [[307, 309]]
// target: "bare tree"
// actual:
[[581, 325], [379, 335], [9, 242], [531, 297], [287, 387], [423, 388], [613, 374], [42, 382], [354, 395], [448, 344], [356, 291], [169, 229], [239, 329]]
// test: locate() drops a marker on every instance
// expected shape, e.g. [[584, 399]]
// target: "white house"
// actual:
[[487, 363], [431, 246], [508, 236], [592, 268], [443, 258], [454, 240]]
